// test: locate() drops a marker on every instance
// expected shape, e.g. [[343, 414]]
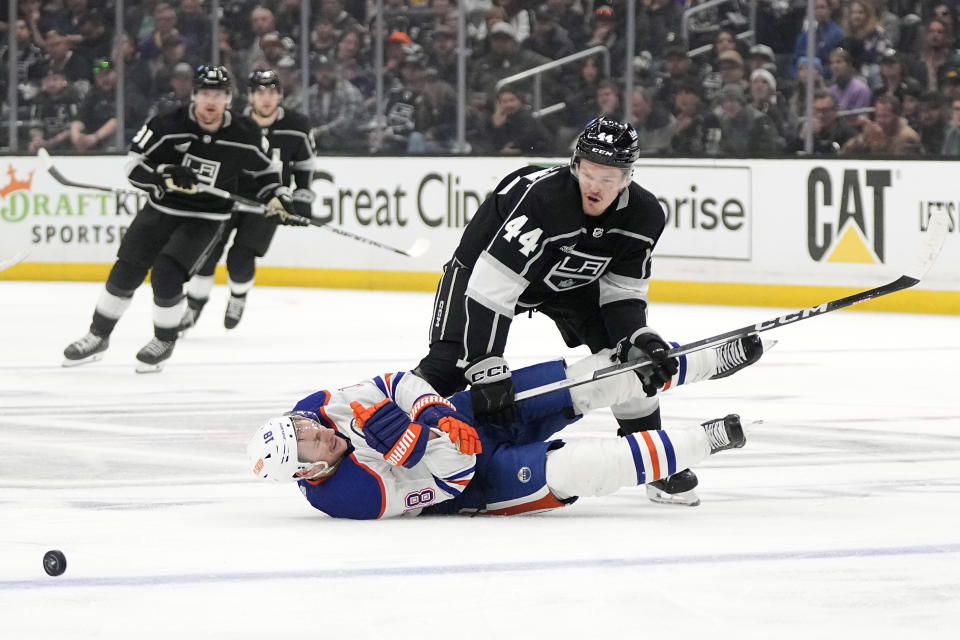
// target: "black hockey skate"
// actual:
[[153, 355], [189, 319], [735, 355], [89, 348], [677, 489], [234, 312], [724, 433]]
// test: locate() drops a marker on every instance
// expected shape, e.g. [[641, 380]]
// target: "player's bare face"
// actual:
[[265, 101], [599, 186], [317, 443], [209, 107]]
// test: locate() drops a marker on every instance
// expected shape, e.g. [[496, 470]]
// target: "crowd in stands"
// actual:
[[886, 73]]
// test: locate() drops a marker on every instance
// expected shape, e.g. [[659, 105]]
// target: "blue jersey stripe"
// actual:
[[382, 386], [396, 381], [682, 360], [457, 476], [671, 455], [637, 459], [453, 490]]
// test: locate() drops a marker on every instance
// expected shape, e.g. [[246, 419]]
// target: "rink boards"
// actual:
[[749, 232]]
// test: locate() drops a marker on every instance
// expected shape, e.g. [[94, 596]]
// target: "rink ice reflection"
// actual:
[[838, 519]]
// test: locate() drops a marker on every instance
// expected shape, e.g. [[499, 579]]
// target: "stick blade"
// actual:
[[420, 247], [937, 229], [45, 158]]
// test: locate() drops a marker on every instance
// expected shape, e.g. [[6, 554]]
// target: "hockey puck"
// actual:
[[54, 562]]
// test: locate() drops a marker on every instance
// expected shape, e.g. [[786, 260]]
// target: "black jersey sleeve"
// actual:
[[624, 286], [509, 242], [151, 148], [303, 159]]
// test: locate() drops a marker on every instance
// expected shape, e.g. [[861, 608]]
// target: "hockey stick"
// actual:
[[14, 260], [932, 243], [245, 205]]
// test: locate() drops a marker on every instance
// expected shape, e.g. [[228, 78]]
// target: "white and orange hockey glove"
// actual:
[[433, 410]]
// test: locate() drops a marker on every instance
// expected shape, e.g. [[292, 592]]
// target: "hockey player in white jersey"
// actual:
[[391, 446]]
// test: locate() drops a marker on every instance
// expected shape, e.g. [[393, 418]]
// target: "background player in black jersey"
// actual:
[[574, 242], [291, 143], [180, 225]]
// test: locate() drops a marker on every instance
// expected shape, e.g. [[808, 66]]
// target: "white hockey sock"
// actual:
[[199, 287], [605, 392], [239, 288], [112, 306], [169, 317], [597, 467]]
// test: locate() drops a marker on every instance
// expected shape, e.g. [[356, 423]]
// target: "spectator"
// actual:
[[512, 129], [195, 28], [658, 23], [762, 57], [950, 84], [572, 20], [164, 25], [732, 72], [137, 77], [696, 128], [32, 14], [743, 130], [893, 75], [289, 75], [94, 42], [262, 23], [439, 123], [580, 100], [933, 122], [850, 91], [888, 134], [179, 90], [936, 55], [323, 38], [604, 33], [911, 104], [67, 20], [608, 99], [828, 35], [678, 68], [272, 49], [339, 19], [654, 124], [96, 123], [441, 54], [30, 62], [860, 24], [504, 59], [948, 14], [951, 141], [286, 15], [549, 39], [173, 52], [830, 133], [335, 109], [888, 21], [53, 110], [765, 99], [61, 58], [352, 67], [517, 17], [798, 101]]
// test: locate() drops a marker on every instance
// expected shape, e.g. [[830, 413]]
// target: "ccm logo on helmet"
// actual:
[[495, 371], [602, 152]]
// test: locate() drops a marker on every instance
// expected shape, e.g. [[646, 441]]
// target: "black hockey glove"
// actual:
[[177, 177], [283, 206], [491, 391], [303, 202], [646, 344]]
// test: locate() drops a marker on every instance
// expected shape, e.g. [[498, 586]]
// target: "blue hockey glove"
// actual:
[[388, 430]]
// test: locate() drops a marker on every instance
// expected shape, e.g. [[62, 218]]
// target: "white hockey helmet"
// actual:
[[272, 451]]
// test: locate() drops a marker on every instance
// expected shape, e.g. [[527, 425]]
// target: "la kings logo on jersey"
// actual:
[[206, 170], [575, 270]]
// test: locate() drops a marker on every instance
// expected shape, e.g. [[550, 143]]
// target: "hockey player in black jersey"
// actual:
[[575, 243], [291, 142], [180, 224]]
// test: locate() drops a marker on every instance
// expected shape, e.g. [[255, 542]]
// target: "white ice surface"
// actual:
[[840, 519]]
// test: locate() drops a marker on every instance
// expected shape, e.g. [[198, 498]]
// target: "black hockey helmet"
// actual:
[[212, 76], [608, 142], [264, 78]]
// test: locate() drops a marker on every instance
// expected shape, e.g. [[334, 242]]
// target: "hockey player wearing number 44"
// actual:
[[291, 143], [392, 446], [174, 233], [575, 243]]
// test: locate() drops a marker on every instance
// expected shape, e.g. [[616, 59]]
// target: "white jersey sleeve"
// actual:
[[365, 485]]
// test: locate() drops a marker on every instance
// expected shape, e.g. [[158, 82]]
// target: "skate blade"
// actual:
[[685, 499], [143, 367], [75, 363]]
